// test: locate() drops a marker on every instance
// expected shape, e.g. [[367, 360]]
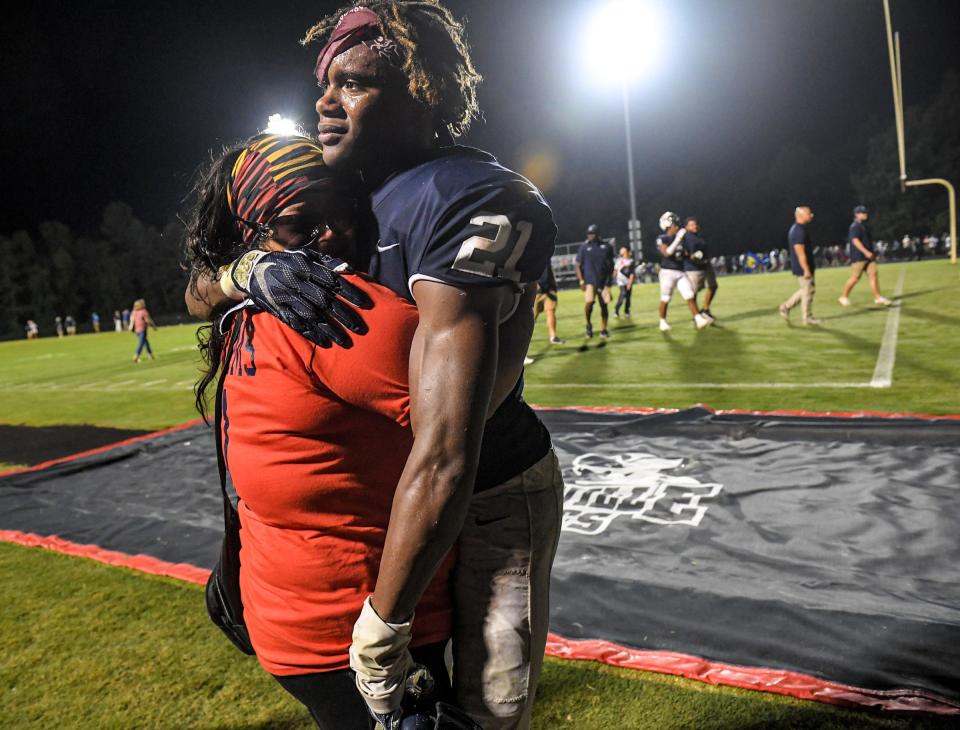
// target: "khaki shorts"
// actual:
[[545, 301], [858, 267], [590, 293], [501, 586], [699, 279]]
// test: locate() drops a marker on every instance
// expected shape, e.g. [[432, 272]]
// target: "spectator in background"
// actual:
[[140, 321], [802, 265], [125, 319], [697, 264], [33, 331], [862, 258], [626, 274], [546, 301], [58, 325], [95, 321], [117, 321], [594, 272], [71, 324]]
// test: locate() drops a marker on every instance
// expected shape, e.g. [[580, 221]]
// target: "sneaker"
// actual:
[[706, 313], [557, 341], [702, 321], [617, 315], [784, 312], [528, 361], [811, 321], [588, 332], [604, 334], [665, 326], [883, 300], [845, 301]]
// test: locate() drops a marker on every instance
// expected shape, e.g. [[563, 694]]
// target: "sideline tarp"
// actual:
[[826, 546]]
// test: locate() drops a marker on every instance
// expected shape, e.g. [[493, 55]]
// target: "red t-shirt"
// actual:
[[315, 441]]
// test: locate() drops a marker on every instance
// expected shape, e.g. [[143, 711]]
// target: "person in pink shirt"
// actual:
[[140, 321]]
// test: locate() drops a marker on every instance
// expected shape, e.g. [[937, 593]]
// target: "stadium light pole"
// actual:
[[620, 44]]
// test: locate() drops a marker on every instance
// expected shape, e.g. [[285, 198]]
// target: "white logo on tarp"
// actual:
[[633, 485]]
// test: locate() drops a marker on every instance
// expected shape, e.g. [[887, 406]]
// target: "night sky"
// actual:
[[121, 101]]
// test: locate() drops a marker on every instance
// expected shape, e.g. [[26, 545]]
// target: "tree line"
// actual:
[[56, 271]]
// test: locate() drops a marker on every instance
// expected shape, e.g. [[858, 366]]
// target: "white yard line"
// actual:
[[883, 372]]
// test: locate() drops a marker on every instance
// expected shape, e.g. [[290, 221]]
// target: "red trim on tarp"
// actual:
[[777, 681], [143, 563], [100, 449], [737, 412]]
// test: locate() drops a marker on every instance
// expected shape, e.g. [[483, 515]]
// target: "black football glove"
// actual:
[[303, 289]]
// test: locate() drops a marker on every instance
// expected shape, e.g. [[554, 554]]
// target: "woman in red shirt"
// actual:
[[314, 439]]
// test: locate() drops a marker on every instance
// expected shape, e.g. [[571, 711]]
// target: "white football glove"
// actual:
[[381, 660]]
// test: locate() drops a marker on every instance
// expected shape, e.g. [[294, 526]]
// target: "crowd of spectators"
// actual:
[[908, 248]]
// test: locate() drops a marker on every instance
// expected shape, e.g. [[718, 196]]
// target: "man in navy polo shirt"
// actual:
[[862, 258], [802, 265], [595, 271]]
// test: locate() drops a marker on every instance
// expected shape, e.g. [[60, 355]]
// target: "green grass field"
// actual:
[[86, 645]]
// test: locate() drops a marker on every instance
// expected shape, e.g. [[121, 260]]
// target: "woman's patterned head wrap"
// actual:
[[272, 173]]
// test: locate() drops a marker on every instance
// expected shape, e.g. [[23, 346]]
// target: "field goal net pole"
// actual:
[[896, 80]]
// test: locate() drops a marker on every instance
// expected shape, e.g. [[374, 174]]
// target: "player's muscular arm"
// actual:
[[453, 365]]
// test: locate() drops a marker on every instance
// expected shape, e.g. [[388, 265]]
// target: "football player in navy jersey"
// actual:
[[465, 239], [672, 276]]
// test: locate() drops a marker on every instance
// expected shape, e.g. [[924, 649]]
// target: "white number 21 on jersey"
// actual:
[[494, 257]]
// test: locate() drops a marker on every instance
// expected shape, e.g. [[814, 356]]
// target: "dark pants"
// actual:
[[623, 301], [142, 343], [335, 703]]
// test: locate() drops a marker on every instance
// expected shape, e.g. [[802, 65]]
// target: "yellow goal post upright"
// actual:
[[896, 80]]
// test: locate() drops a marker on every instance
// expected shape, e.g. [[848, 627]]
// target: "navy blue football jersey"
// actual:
[[674, 262], [460, 218]]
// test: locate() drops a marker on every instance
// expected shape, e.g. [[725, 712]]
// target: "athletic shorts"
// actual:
[[545, 301], [590, 293], [701, 278], [671, 279], [858, 267]]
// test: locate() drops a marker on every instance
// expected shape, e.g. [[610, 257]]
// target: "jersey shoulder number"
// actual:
[[495, 248]]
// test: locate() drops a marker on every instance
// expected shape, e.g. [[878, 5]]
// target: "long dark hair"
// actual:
[[211, 241]]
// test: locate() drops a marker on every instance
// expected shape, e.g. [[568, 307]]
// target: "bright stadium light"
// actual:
[[622, 40], [279, 124]]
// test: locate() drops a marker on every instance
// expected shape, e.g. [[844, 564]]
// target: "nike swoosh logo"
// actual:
[[490, 520], [381, 249]]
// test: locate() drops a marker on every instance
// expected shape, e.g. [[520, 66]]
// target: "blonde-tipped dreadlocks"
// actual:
[[434, 52]]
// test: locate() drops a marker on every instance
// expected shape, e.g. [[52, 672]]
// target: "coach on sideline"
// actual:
[[802, 265], [862, 258], [595, 272]]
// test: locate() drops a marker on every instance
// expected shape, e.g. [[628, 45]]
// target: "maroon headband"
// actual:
[[358, 25]]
